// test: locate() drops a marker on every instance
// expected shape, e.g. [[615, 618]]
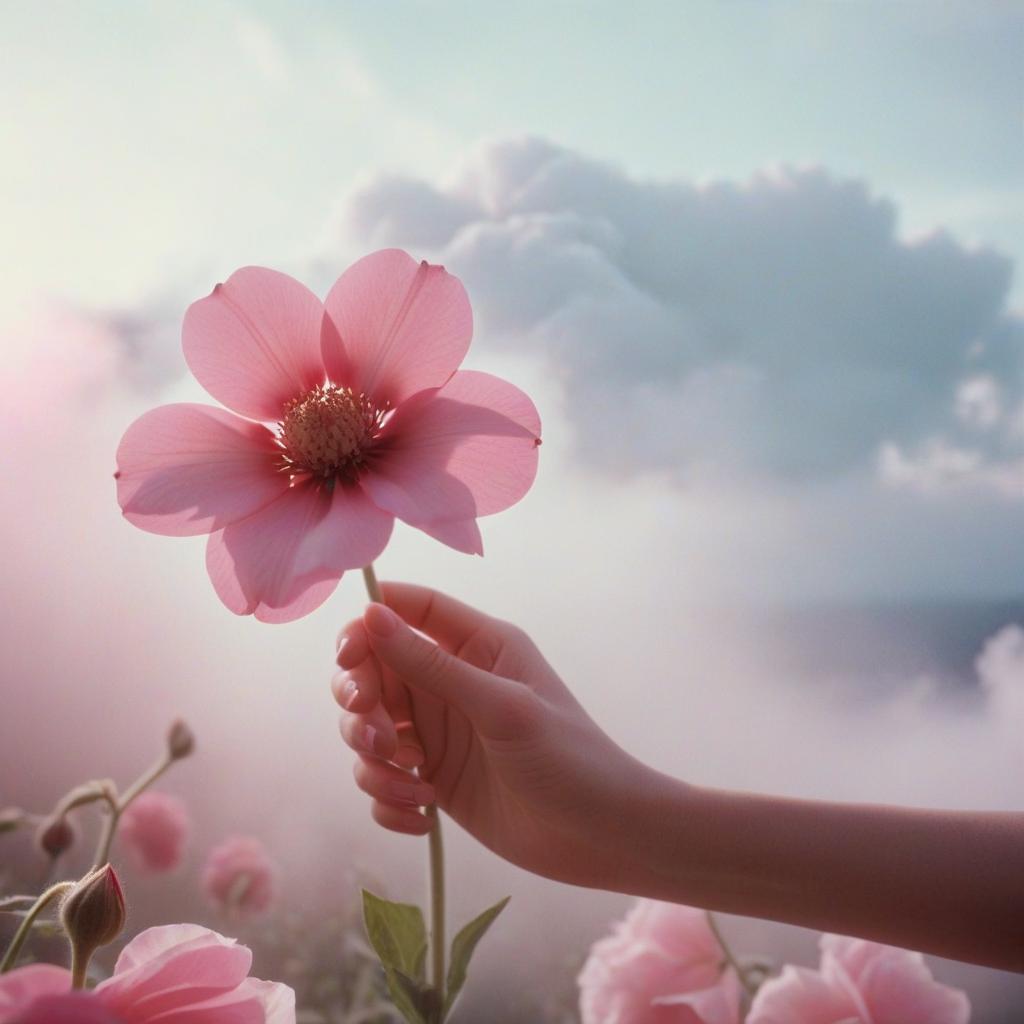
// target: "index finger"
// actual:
[[446, 620]]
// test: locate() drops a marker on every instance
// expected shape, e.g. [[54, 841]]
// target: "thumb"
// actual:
[[423, 665]]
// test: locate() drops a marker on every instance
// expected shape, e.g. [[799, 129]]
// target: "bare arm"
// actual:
[[944, 882], [501, 745]]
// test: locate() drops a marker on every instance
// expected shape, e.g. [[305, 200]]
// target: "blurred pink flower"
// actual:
[[239, 876], [154, 828], [172, 975], [859, 982], [355, 413], [661, 965]]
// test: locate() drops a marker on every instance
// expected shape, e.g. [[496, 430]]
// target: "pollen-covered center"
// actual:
[[327, 431]]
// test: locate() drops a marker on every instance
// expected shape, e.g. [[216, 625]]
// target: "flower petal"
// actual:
[[285, 561], [254, 341], [461, 534], [188, 469], [718, 1004], [66, 1008], [404, 326], [20, 987], [466, 450], [801, 996], [278, 1000], [168, 967]]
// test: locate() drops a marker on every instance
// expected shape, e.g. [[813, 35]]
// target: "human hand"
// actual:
[[496, 737]]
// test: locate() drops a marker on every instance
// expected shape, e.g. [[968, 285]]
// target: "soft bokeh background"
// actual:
[[758, 263]]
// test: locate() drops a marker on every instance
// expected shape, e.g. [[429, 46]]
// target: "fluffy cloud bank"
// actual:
[[780, 327]]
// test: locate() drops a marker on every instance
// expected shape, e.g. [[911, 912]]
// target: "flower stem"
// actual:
[[730, 957], [118, 807], [437, 937], [11, 956], [437, 894]]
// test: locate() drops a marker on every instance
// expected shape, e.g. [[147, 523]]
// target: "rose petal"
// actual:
[[466, 450], [67, 1008], [167, 967], [286, 560], [898, 988], [188, 469], [719, 1004], [801, 996], [20, 987], [254, 342], [404, 326]]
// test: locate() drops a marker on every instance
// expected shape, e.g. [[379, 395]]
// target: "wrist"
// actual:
[[651, 814]]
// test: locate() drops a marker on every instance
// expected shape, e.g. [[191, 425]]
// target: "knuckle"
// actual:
[[433, 661]]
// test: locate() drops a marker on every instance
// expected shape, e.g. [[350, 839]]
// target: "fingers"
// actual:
[[400, 819], [373, 733], [451, 623], [422, 664], [396, 794], [388, 784]]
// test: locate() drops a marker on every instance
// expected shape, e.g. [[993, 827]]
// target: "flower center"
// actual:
[[327, 431]]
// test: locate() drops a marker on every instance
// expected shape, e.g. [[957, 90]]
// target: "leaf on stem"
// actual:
[[397, 932], [463, 946]]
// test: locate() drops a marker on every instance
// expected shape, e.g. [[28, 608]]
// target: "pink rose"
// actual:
[[172, 974], [661, 965], [859, 982], [239, 876], [153, 829]]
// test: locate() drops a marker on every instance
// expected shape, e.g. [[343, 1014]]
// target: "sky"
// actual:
[[758, 264]]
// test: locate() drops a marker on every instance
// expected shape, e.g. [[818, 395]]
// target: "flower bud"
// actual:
[[180, 741], [93, 913], [55, 835], [10, 818]]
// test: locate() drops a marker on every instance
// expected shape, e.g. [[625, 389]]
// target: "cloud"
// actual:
[[778, 327]]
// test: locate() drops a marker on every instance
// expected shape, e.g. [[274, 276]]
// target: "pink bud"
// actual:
[[93, 912], [55, 835]]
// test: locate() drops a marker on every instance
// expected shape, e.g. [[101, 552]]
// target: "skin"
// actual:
[[445, 704]]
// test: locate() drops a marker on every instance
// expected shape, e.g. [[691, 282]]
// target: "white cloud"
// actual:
[[777, 327], [263, 49]]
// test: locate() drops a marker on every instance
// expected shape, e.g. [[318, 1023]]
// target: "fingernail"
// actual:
[[342, 644], [349, 692], [371, 740], [379, 620], [418, 793]]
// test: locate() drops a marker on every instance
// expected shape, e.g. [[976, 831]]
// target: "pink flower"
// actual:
[[239, 876], [153, 829], [350, 413], [661, 965], [859, 982], [175, 974]]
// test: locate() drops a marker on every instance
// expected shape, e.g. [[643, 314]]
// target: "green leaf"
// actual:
[[463, 946], [406, 995], [397, 933]]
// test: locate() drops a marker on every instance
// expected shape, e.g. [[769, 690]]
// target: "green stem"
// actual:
[[730, 957], [437, 937], [11, 956], [79, 968], [437, 895], [140, 785]]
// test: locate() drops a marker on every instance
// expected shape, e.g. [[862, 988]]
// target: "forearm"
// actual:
[[948, 883]]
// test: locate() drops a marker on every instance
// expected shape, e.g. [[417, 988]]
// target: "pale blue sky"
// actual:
[[141, 139]]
